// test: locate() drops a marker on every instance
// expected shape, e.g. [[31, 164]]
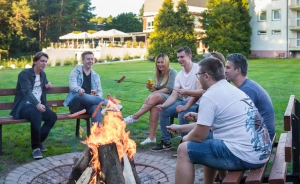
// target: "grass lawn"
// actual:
[[279, 77]]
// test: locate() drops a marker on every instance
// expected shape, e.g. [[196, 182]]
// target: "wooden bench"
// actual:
[[60, 116], [287, 150], [280, 55]]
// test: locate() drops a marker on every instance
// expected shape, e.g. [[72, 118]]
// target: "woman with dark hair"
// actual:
[[163, 85]]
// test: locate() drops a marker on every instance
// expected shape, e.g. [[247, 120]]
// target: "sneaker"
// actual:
[[147, 141], [130, 120], [37, 154], [175, 154], [162, 146], [119, 107], [43, 148]]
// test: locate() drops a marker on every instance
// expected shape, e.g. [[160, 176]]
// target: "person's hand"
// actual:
[[49, 85], [191, 116], [160, 107], [183, 92], [180, 108], [173, 129], [81, 92], [41, 107]]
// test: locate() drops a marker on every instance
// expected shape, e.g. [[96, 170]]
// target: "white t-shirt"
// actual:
[[234, 119], [185, 80], [37, 89]]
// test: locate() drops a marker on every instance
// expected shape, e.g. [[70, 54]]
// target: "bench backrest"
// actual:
[[292, 125], [12, 92]]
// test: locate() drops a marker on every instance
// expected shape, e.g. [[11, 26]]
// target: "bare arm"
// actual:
[[198, 134], [172, 99]]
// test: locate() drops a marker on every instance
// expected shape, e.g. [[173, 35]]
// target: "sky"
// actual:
[[104, 8]]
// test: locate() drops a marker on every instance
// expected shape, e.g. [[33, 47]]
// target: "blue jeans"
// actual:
[[88, 102], [165, 114], [214, 153], [38, 133]]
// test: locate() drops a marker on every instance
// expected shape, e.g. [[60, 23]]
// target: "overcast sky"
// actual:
[[104, 8]]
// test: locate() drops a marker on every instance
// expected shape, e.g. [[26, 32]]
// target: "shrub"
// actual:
[[142, 45], [99, 60], [126, 56], [117, 59], [58, 63], [68, 63], [136, 57], [135, 44], [108, 57], [128, 44]]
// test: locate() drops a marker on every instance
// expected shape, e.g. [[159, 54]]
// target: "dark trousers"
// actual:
[[38, 133]]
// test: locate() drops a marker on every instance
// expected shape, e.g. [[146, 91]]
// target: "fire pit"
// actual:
[[109, 158]]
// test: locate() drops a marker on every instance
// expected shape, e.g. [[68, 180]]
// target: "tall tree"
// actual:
[[126, 22], [185, 23], [227, 32], [15, 20], [172, 30], [163, 36]]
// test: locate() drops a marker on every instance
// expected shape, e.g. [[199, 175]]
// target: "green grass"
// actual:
[[279, 77]]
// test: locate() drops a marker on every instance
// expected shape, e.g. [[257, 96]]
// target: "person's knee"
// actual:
[[182, 151]]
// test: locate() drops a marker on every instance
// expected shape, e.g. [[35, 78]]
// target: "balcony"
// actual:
[[295, 5], [294, 23], [294, 44]]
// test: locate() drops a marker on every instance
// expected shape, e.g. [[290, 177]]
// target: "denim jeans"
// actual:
[[165, 114], [214, 153], [38, 133], [88, 102]]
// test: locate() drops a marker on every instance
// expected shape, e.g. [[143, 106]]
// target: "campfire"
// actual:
[[108, 157]]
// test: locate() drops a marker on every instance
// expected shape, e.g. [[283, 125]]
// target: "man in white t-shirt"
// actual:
[[240, 138], [185, 79]]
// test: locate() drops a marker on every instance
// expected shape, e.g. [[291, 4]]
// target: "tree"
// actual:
[[126, 22], [172, 30], [227, 32], [185, 23]]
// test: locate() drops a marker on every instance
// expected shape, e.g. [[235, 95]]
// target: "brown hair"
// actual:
[[219, 56], [38, 56], [86, 53], [214, 67]]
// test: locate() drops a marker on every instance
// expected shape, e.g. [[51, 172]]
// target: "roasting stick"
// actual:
[[123, 77]]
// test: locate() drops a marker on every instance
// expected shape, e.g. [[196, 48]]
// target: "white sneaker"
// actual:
[[119, 107], [147, 141], [130, 120]]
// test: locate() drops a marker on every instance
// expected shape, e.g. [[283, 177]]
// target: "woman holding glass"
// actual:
[[162, 88]]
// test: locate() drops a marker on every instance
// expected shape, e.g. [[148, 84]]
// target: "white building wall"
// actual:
[[275, 39]]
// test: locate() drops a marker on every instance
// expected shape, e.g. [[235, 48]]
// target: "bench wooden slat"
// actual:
[[9, 105], [54, 90], [278, 171], [10, 120], [233, 177], [7, 92], [288, 147], [288, 114]]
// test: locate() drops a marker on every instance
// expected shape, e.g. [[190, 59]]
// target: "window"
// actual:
[[276, 14], [262, 32], [276, 32], [150, 25], [262, 16]]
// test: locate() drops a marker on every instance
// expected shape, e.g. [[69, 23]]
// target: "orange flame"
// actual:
[[112, 130]]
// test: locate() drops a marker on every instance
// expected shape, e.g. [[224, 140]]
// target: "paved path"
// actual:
[[151, 168]]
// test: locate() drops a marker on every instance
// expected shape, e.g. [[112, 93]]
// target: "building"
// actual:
[[275, 27], [151, 8]]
